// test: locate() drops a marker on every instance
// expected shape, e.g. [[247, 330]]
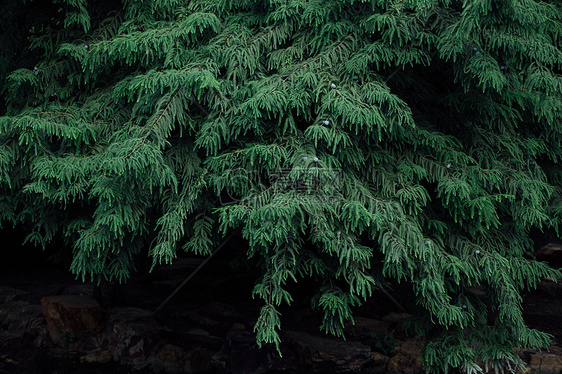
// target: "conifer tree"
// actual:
[[352, 142]]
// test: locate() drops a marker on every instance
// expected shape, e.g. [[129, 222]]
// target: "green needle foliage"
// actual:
[[352, 142]]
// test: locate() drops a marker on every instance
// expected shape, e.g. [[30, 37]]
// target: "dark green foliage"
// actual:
[[350, 141]]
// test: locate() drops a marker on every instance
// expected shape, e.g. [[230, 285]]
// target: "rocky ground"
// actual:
[[50, 323]]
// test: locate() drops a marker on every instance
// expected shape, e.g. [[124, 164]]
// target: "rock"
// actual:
[[69, 317], [408, 359], [329, 354], [79, 289], [551, 288], [131, 336], [240, 354], [546, 363], [379, 359], [203, 337], [395, 317], [101, 357], [129, 314], [396, 321], [200, 361], [136, 348], [551, 253], [378, 365], [8, 294], [175, 360], [171, 359], [366, 326], [21, 321]]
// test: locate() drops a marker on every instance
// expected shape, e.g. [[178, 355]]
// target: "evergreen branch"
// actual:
[[102, 109], [154, 124], [310, 62], [54, 64], [444, 126]]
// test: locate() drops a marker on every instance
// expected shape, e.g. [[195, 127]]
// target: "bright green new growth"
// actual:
[[169, 123]]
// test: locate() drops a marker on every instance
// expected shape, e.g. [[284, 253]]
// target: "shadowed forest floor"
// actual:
[[210, 304]]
